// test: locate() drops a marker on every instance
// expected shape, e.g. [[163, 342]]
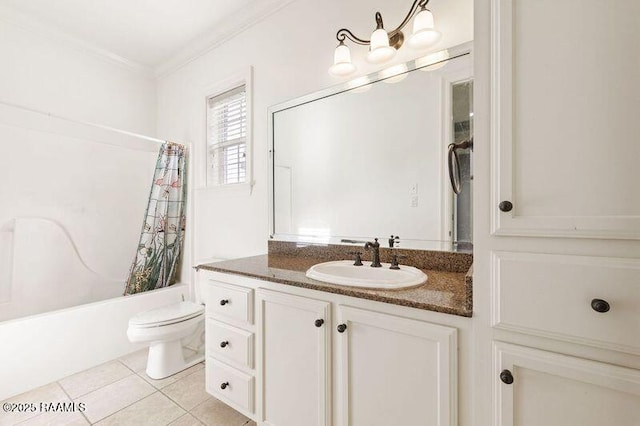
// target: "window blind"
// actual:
[[227, 137]]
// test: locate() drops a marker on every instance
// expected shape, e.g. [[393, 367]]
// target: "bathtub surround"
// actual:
[[162, 235], [62, 278]]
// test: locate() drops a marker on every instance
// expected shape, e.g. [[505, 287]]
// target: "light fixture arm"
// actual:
[[344, 33], [414, 8], [383, 44]]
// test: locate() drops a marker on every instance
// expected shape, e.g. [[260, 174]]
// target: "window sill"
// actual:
[[245, 188]]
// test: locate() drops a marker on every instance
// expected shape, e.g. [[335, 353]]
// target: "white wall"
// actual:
[[290, 52]]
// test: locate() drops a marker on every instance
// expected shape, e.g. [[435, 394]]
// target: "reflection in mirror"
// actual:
[[371, 161], [462, 113]]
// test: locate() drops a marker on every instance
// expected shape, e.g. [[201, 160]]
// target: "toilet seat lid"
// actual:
[[173, 313]]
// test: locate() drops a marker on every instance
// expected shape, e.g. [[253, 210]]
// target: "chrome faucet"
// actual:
[[375, 246]]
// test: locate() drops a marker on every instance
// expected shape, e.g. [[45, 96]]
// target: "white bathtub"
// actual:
[[58, 316]]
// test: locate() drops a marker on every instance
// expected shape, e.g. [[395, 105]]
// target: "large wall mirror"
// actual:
[[369, 159]]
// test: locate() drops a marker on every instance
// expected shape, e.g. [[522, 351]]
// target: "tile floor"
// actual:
[[120, 393]]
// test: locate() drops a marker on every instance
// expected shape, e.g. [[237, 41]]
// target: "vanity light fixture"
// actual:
[[382, 44]]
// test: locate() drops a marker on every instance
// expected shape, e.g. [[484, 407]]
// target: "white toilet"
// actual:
[[175, 334]]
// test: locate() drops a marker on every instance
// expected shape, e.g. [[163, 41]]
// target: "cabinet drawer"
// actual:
[[229, 343], [552, 295], [557, 390], [238, 386], [229, 301]]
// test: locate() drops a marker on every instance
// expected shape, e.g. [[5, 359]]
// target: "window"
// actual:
[[227, 137]]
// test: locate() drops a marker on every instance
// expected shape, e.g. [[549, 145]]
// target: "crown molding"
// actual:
[[38, 28], [232, 26]]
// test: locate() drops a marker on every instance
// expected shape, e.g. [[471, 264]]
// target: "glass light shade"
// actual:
[[394, 74], [380, 51], [424, 34], [342, 64], [433, 61]]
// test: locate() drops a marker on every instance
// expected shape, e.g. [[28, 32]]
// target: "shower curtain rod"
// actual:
[[86, 123]]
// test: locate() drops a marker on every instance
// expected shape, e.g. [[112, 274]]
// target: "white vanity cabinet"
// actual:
[[394, 371], [590, 304], [294, 351], [325, 359], [558, 265], [545, 388], [561, 119], [229, 346]]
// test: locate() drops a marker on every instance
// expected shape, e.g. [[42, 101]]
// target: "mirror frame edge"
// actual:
[[454, 52]]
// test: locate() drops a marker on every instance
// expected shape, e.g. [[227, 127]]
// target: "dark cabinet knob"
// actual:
[[506, 377], [600, 305], [224, 344], [342, 328], [224, 385], [224, 302], [319, 322], [505, 206]]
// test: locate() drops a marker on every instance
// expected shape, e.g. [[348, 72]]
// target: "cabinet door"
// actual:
[[293, 340], [558, 390], [564, 113], [395, 371]]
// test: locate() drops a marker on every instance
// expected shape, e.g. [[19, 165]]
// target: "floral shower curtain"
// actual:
[[162, 235]]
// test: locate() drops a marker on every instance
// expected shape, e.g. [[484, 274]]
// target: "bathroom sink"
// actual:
[[343, 272]]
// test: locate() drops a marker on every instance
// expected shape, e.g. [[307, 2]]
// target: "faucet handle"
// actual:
[[358, 259], [394, 260]]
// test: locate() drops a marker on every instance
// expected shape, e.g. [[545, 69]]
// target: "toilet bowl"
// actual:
[[167, 330]]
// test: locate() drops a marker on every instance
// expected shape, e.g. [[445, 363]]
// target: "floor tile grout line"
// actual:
[[178, 404], [124, 408], [71, 399], [196, 406], [106, 384], [97, 389], [154, 388], [126, 366], [127, 406]]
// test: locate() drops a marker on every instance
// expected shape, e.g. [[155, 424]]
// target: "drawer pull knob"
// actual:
[[224, 385], [319, 322], [600, 305], [342, 328], [224, 344], [505, 206], [224, 302], [506, 377]]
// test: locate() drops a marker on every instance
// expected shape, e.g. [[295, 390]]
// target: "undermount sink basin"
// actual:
[[343, 272]]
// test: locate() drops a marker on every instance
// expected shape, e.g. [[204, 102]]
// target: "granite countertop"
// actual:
[[446, 292]]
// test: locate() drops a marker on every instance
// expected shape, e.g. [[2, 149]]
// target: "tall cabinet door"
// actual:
[[565, 109], [293, 346], [394, 370], [542, 388]]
